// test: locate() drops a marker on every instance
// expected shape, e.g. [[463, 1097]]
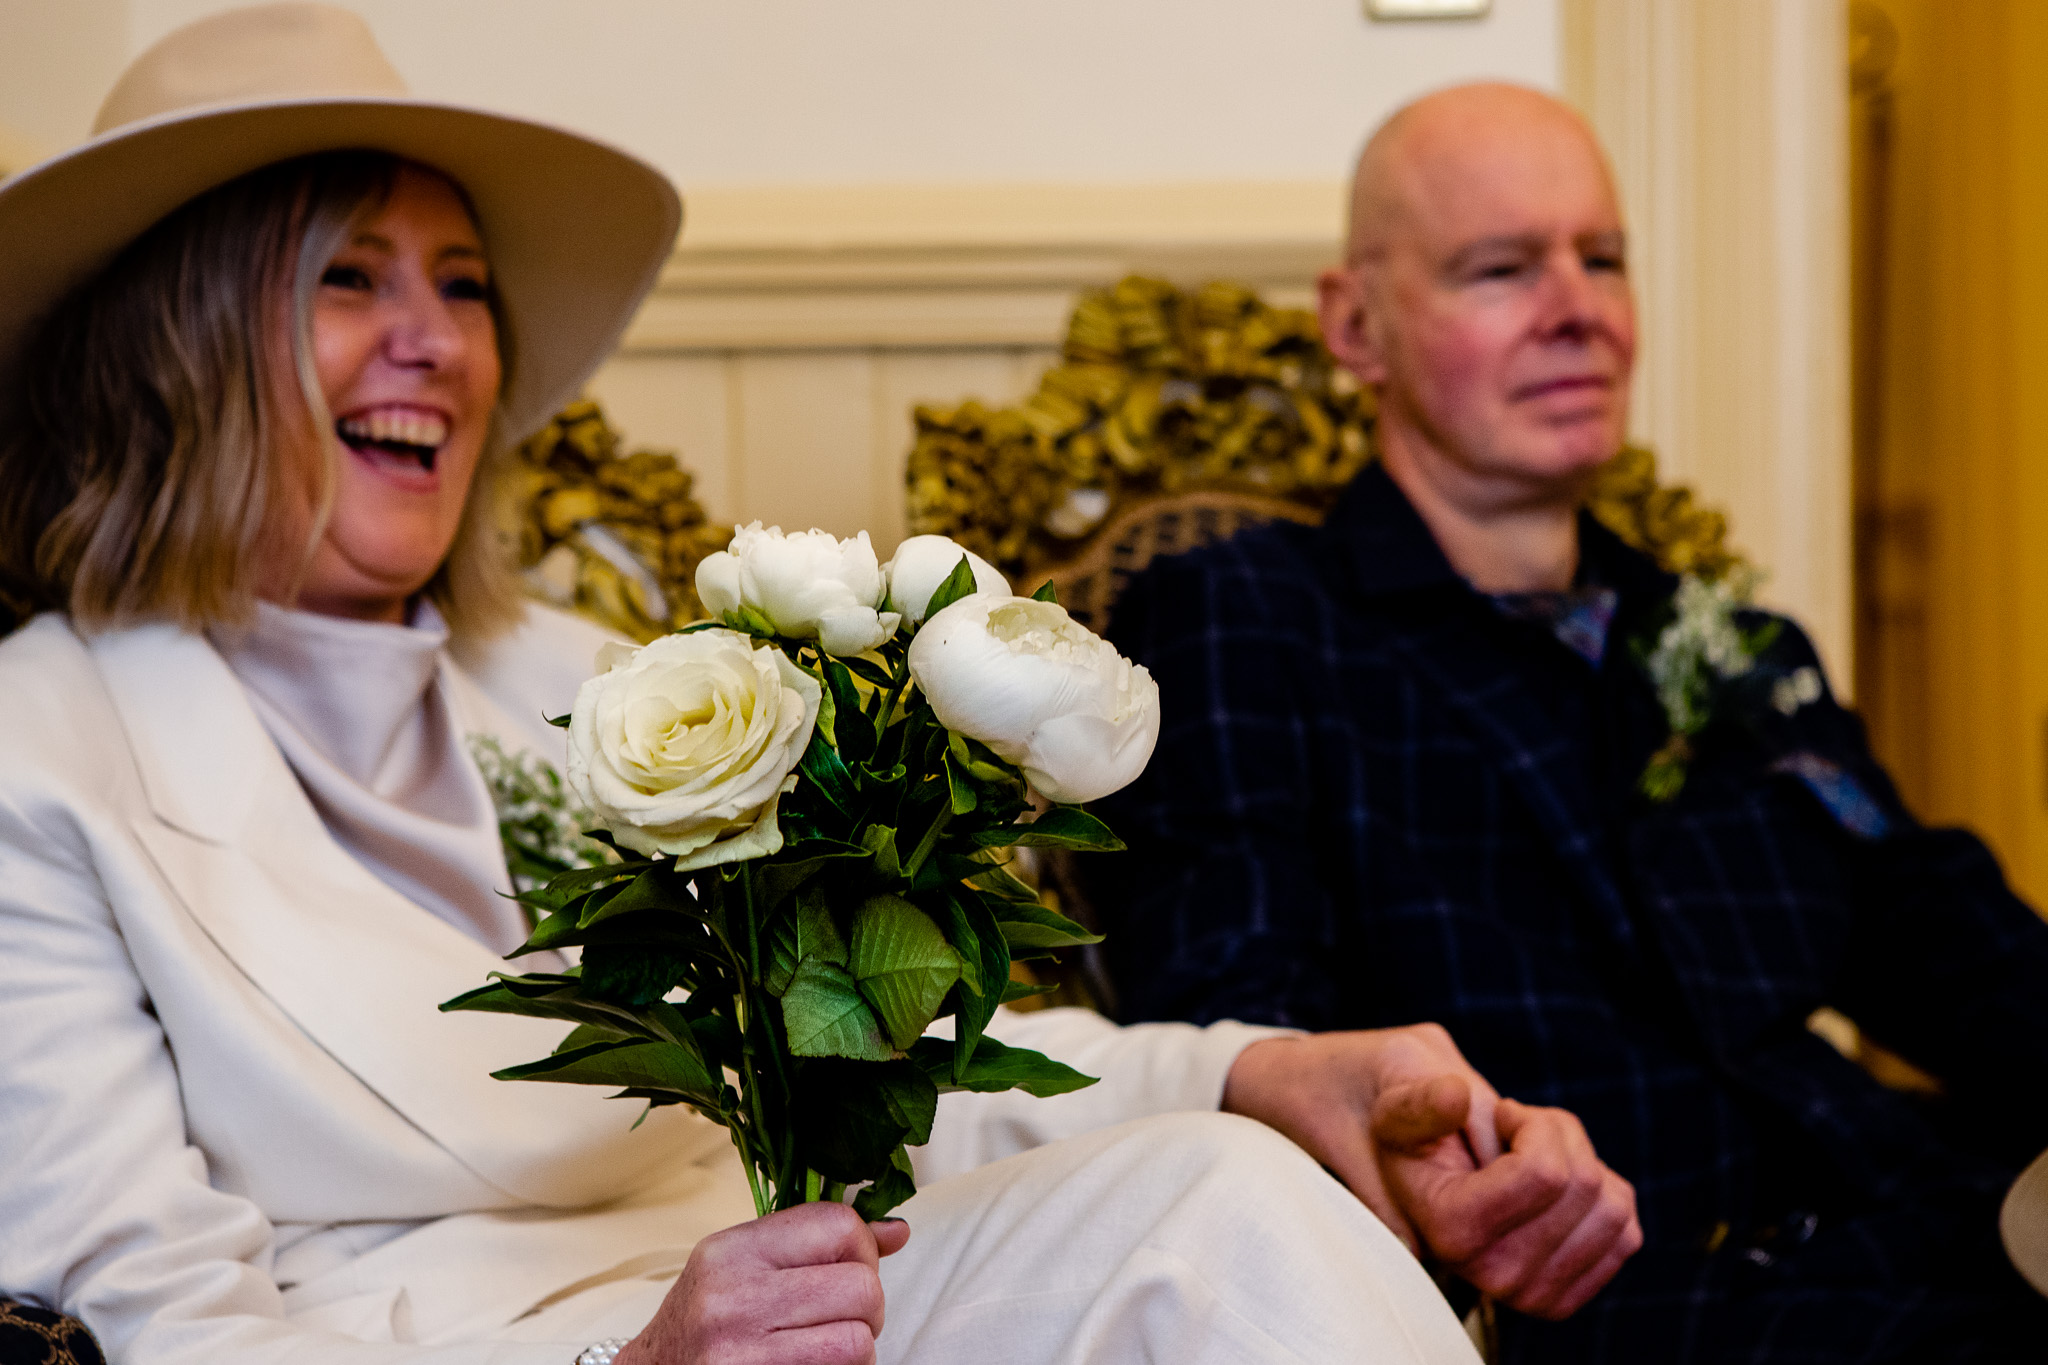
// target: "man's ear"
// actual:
[[1343, 306]]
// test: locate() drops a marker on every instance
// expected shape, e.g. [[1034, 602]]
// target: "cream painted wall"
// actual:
[[827, 92], [57, 58], [1727, 124]]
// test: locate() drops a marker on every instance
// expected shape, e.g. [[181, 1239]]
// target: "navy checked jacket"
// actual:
[[1379, 800]]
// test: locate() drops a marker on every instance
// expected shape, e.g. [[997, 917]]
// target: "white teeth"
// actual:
[[408, 426]]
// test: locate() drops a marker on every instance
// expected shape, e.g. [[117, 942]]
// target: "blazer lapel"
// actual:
[[1375, 542], [354, 964], [1526, 746]]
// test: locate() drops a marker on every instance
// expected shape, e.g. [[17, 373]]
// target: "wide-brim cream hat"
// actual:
[[575, 230], [2023, 1222]]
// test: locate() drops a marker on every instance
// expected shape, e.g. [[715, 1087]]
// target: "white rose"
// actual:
[[809, 585], [1042, 690], [921, 567], [686, 746]]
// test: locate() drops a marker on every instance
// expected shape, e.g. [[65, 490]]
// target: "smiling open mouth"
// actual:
[[402, 435]]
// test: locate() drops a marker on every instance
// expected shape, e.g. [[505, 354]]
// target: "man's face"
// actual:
[[1493, 312]]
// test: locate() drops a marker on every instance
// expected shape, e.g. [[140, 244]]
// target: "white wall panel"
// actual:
[[828, 92]]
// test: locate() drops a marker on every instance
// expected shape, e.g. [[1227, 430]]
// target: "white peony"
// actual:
[[923, 564], [1042, 690], [685, 746], [808, 585]]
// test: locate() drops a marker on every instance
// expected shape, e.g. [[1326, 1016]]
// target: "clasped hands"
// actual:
[[1509, 1196]]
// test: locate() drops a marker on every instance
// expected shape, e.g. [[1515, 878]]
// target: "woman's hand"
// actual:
[[799, 1287]]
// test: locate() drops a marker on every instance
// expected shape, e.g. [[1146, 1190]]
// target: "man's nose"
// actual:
[[1571, 302]]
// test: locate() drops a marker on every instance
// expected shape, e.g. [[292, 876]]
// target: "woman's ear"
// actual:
[[1344, 307]]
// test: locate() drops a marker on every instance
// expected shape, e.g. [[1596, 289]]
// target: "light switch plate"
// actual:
[[1427, 9]]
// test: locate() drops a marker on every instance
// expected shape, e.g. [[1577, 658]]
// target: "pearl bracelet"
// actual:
[[602, 1352]]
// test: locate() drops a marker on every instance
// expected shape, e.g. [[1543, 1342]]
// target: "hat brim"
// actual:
[[2023, 1223], [576, 231]]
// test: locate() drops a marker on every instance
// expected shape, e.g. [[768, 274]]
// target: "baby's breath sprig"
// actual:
[[539, 823], [1700, 650]]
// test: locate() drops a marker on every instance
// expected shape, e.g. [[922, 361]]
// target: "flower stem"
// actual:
[[897, 684]]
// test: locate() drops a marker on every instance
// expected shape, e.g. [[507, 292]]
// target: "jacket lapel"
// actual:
[[1376, 542], [354, 964], [1526, 746]]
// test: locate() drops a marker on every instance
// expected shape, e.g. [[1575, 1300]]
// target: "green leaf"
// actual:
[[560, 722], [547, 996], [889, 1189], [748, 621], [998, 881], [855, 742], [880, 842], [584, 878], [1034, 926], [958, 584], [583, 1035], [637, 973], [828, 715], [929, 842], [959, 790], [655, 889], [554, 931], [985, 968], [1024, 990], [1060, 827], [867, 670], [969, 755], [783, 955], [903, 964], [996, 1067], [629, 1064], [884, 777], [775, 878], [828, 772], [824, 1016], [1046, 593], [850, 1116], [817, 934]]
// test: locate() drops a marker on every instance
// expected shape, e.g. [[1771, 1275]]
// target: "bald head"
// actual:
[[1452, 141], [1485, 299]]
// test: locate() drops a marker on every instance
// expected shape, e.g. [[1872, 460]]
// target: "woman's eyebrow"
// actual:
[[453, 251]]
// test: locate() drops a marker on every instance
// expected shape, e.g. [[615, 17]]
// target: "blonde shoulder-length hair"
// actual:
[[144, 479]]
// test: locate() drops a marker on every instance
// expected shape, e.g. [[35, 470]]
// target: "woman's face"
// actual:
[[406, 353]]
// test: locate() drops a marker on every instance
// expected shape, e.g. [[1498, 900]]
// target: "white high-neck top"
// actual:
[[362, 712]]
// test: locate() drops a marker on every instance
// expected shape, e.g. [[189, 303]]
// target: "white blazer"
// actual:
[[233, 1127]]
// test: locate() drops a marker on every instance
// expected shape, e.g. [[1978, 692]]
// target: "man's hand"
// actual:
[[1402, 1119], [799, 1286]]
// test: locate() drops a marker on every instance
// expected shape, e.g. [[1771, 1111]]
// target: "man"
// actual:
[[1406, 772]]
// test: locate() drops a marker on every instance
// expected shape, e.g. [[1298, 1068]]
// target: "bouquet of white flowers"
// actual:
[[810, 799]]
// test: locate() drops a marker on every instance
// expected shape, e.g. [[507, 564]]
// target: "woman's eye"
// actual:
[[465, 287], [345, 277], [1606, 264]]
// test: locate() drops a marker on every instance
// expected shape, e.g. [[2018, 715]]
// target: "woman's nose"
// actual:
[[422, 332]]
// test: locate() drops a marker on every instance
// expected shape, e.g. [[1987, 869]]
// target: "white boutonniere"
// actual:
[[1694, 658]]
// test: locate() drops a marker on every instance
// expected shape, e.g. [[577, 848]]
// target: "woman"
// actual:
[[258, 353]]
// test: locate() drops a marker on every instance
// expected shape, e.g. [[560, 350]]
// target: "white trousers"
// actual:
[[1188, 1239]]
